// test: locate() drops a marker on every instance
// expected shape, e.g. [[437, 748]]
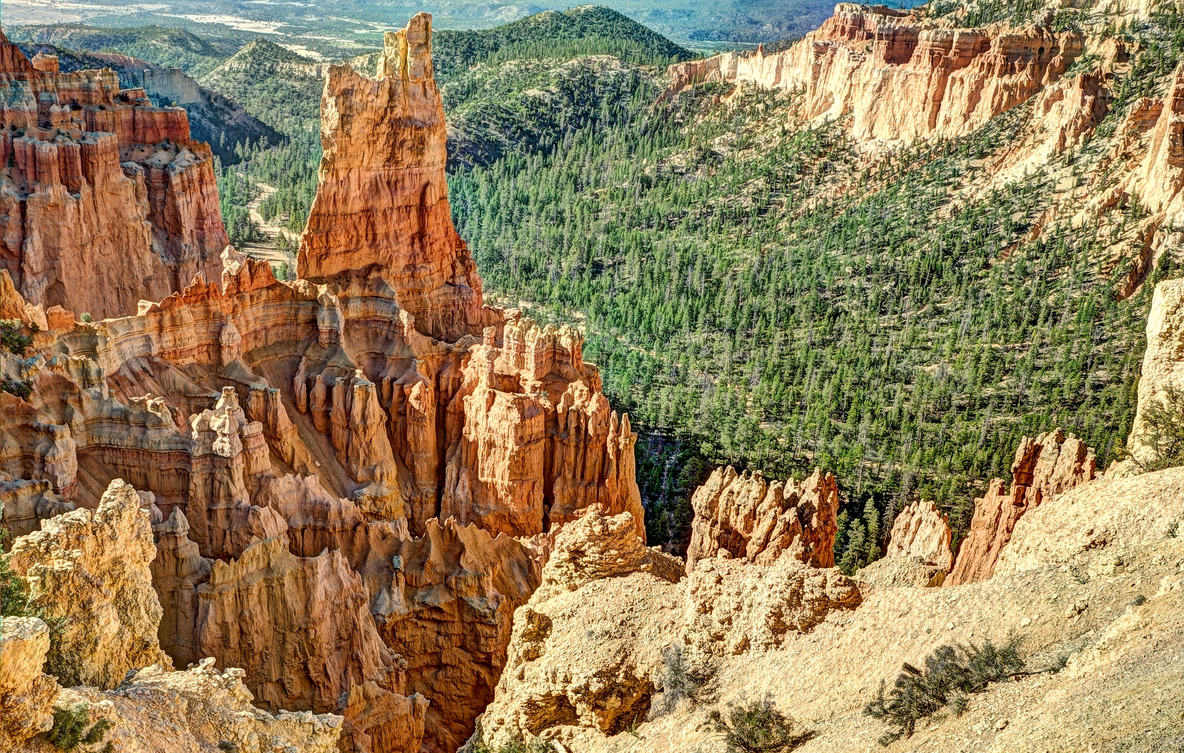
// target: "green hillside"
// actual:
[[586, 30], [167, 47], [273, 83]]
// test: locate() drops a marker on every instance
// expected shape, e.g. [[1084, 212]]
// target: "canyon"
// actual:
[[349, 483], [364, 510]]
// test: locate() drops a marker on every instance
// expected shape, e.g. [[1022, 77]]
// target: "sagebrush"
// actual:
[[758, 727], [680, 680], [72, 729], [1163, 430], [950, 676]]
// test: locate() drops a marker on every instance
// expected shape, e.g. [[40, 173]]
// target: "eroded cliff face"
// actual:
[[899, 75], [106, 200], [1044, 468], [751, 518], [351, 481], [562, 685]]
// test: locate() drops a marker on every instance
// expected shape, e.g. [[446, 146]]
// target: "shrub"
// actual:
[[757, 727], [72, 729], [86, 318], [21, 389], [1163, 430], [950, 676], [680, 680], [14, 592], [477, 744], [13, 337]]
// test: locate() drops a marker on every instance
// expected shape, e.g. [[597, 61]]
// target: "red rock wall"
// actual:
[[900, 76], [106, 201]]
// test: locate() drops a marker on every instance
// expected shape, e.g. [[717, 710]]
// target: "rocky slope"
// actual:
[[365, 510], [1092, 574], [350, 482]]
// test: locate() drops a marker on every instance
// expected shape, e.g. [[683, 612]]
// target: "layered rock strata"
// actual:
[[336, 472], [106, 199], [1044, 468], [900, 75], [382, 197], [1163, 364], [751, 518]]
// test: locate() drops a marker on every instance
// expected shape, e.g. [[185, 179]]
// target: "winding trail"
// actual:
[[266, 250]]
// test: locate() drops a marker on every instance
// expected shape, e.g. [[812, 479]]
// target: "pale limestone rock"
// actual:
[[921, 530], [199, 710], [92, 571], [1163, 361], [751, 518], [903, 571], [556, 678], [1044, 468], [26, 694], [732, 606]]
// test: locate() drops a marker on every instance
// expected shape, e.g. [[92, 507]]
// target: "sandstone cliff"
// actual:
[[900, 75], [382, 196], [1163, 363], [336, 472], [106, 199], [598, 583], [1068, 582], [751, 518]]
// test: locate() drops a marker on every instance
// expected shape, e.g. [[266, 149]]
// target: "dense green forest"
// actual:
[[757, 294]]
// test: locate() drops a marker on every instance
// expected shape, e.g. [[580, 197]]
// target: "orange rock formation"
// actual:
[[753, 519], [336, 469], [106, 199], [382, 198], [1044, 467]]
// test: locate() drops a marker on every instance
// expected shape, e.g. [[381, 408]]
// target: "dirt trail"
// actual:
[[266, 250]]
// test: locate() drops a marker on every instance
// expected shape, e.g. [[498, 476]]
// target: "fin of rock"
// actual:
[[1044, 468]]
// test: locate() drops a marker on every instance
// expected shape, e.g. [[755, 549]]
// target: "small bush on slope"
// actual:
[[757, 727], [72, 729], [680, 679], [14, 594], [950, 676]]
